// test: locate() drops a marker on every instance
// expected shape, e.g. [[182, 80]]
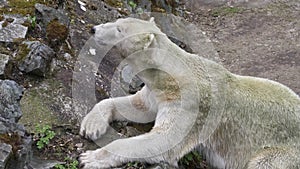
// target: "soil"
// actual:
[[262, 42]]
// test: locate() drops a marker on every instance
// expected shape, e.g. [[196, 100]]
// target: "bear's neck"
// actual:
[[164, 43], [162, 64]]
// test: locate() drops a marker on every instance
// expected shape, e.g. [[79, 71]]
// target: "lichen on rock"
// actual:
[[35, 58]]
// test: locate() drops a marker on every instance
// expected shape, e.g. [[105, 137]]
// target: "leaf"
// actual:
[[40, 144], [132, 4]]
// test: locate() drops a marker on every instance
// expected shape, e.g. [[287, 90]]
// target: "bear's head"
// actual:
[[129, 35]]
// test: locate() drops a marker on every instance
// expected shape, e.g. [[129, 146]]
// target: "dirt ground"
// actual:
[[256, 42]]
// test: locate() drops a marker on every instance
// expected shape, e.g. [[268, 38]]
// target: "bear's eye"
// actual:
[[118, 29]]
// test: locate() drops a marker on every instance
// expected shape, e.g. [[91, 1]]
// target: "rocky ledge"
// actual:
[[15, 144]]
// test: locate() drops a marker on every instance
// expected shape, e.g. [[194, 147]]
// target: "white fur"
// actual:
[[241, 122]]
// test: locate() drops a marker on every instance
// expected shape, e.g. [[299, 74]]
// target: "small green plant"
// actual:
[[192, 157], [59, 166], [44, 135], [132, 164], [132, 4], [32, 20], [70, 164]]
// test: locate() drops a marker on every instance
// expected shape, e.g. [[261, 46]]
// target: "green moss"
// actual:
[[23, 51], [4, 50], [4, 24], [22, 7], [191, 160], [1, 18], [36, 110], [115, 3], [56, 32]]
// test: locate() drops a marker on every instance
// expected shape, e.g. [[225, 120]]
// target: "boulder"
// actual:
[[10, 94], [38, 59], [5, 153], [13, 137], [43, 164], [46, 14], [11, 28]]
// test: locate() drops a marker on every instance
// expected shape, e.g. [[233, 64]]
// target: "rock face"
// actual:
[[3, 61], [43, 164], [38, 59], [10, 94], [11, 28], [46, 14], [14, 141], [5, 153]]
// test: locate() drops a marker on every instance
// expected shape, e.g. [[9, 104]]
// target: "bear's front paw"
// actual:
[[93, 126], [98, 159]]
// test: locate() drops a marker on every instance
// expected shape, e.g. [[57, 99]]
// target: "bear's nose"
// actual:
[[93, 30]]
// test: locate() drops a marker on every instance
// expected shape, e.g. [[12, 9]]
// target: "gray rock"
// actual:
[[131, 83], [46, 14], [38, 60], [10, 93], [10, 112], [12, 30], [23, 156], [5, 153], [3, 61], [3, 3], [43, 164]]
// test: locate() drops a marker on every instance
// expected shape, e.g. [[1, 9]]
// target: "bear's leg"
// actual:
[[168, 141], [136, 108], [275, 158]]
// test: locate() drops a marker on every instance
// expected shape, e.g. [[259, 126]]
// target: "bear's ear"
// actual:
[[149, 40], [151, 20]]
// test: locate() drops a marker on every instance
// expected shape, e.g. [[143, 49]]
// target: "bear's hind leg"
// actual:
[[275, 158]]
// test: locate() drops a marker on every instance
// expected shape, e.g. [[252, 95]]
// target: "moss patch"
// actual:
[[115, 3], [4, 24], [1, 18], [56, 33], [22, 7], [36, 111], [4, 50], [23, 51]]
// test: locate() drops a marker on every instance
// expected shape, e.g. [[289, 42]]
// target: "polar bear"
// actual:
[[239, 122]]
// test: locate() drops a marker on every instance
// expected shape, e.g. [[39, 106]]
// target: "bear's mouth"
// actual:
[[100, 42]]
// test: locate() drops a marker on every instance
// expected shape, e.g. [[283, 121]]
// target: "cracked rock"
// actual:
[[11, 28], [5, 153], [38, 60]]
